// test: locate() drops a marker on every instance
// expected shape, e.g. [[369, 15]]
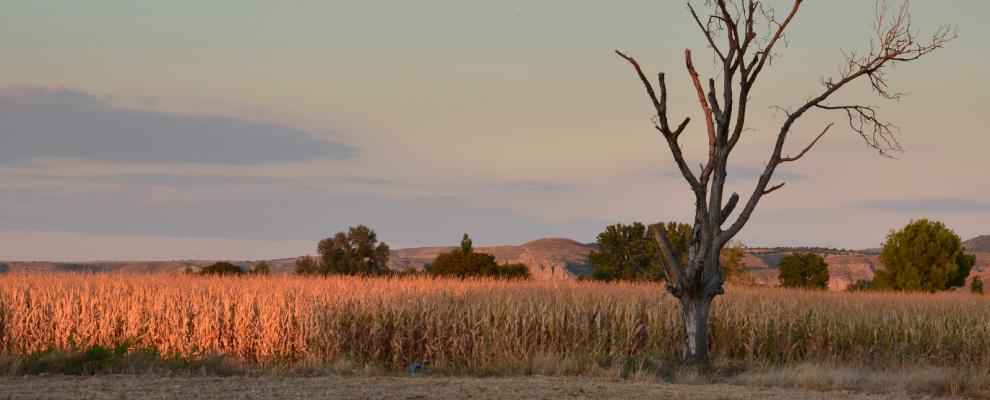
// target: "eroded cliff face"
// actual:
[[843, 269]]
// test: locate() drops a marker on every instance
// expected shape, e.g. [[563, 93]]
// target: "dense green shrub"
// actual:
[[221, 268], [261, 268], [976, 286], [465, 262], [355, 252], [923, 256], [631, 253], [307, 265], [803, 270]]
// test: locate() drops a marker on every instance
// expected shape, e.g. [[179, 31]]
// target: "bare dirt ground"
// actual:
[[338, 387]]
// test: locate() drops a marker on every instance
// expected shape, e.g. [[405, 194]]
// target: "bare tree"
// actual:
[[732, 29]]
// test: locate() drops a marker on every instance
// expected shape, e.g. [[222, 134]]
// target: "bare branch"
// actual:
[[660, 104], [879, 135], [731, 205], [896, 42], [677, 270], [661, 107], [808, 147], [709, 123], [773, 188], [767, 52], [708, 33]]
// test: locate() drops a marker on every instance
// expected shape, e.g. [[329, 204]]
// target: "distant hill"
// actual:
[[112, 266], [552, 258], [843, 268], [979, 244]]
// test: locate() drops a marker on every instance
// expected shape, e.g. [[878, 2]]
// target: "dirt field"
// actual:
[[336, 387]]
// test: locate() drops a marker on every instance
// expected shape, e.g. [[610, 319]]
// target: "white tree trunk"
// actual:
[[695, 314]]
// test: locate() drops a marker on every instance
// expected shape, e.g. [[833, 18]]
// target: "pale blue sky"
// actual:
[[253, 129]]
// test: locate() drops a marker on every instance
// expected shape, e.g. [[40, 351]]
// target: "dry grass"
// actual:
[[914, 381], [430, 387], [539, 327]]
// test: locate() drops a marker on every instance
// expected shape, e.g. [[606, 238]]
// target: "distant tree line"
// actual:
[[924, 256], [464, 262], [358, 252]]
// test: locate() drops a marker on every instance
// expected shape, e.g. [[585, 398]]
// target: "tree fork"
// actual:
[[741, 51]]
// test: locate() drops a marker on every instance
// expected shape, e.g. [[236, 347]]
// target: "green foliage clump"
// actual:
[[465, 262], [514, 271], [976, 286], [261, 268], [731, 259], [631, 252], [354, 252], [803, 270], [221, 268], [307, 265], [924, 256]]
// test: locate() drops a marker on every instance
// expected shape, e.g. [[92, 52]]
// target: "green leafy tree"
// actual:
[[625, 252], [976, 286], [514, 271], [465, 262], [355, 252], [677, 234], [221, 268], [261, 268], [804, 270], [307, 265], [630, 252], [731, 258], [924, 256]]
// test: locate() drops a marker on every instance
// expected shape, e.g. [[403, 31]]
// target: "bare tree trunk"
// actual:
[[743, 53], [695, 314]]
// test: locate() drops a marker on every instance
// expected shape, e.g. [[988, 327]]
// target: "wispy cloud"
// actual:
[[942, 205], [48, 123], [165, 179], [535, 186], [366, 180], [275, 213], [736, 173]]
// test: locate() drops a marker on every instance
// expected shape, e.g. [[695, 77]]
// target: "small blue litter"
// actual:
[[416, 368]]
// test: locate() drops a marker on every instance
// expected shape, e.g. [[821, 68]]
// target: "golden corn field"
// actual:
[[289, 320]]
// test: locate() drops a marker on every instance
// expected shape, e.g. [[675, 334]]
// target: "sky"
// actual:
[[252, 129]]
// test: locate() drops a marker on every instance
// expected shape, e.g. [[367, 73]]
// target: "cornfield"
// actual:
[[392, 322]]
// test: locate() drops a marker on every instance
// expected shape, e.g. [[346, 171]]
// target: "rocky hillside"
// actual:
[[979, 244], [848, 267], [843, 269], [553, 258]]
